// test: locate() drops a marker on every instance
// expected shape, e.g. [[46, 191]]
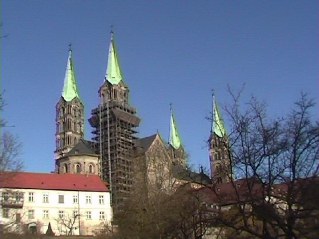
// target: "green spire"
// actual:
[[113, 72], [218, 123], [174, 138], [70, 91]]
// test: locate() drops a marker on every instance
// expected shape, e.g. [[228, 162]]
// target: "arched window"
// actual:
[[61, 112], [65, 168], [77, 168], [91, 168], [68, 124]]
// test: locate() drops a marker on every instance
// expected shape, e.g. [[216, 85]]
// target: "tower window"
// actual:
[[78, 168], [66, 168], [69, 125], [91, 168]]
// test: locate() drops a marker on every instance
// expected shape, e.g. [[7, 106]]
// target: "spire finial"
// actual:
[[112, 32], [212, 124], [70, 46]]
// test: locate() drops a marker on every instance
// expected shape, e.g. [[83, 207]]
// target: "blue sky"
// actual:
[[171, 52]]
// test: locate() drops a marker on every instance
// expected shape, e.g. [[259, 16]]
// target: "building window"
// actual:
[[102, 215], [31, 197], [45, 214], [45, 198], [75, 199], [18, 196], [18, 217], [61, 198], [101, 199], [5, 212], [31, 214], [5, 196], [88, 199], [88, 215], [61, 214]]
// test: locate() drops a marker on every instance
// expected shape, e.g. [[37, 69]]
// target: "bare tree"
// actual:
[[9, 161], [9, 147], [278, 160], [66, 224], [180, 215]]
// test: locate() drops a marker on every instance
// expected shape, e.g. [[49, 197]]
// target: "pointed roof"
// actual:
[[70, 90], [83, 147], [218, 122], [174, 137], [146, 142], [113, 72]]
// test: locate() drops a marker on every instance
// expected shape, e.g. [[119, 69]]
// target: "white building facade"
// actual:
[[73, 204]]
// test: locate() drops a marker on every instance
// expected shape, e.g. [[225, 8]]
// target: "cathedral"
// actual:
[[115, 152]]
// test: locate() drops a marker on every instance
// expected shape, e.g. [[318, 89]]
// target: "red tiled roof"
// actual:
[[47, 181], [242, 190]]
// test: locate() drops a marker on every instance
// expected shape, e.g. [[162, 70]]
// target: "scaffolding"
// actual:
[[115, 124]]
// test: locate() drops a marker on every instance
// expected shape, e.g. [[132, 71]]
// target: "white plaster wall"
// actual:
[[87, 226]]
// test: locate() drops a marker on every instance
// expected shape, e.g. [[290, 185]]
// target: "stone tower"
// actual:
[[219, 154], [69, 114], [114, 122]]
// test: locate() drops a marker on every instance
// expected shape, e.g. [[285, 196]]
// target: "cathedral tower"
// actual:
[[69, 114], [219, 155], [115, 123]]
